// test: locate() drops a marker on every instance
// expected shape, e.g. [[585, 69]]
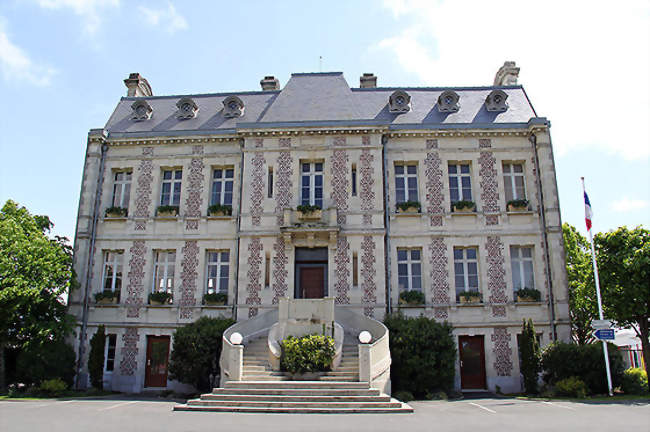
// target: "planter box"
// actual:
[[115, 215], [214, 303], [168, 214], [408, 210], [465, 209], [157, 303], [315, 215], [220, 213], [112, 300], [513, 208], [469, 300], [405, 303], [525, 299]]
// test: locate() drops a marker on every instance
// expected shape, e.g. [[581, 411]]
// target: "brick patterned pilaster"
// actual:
[[366, 184], [254, 276], [433, 175], [368, 271], [129, 360], [342, 270], [502, 351], [283, 183], [489, 186], [135, 287], [439, 263], [340, 182], [257, 188], [496, 275], [194, 199], [189, 276], [143, 189], [280, 273]]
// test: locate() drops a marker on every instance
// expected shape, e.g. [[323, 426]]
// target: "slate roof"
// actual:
[[323, 99]]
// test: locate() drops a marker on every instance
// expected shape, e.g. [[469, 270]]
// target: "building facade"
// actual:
[[321, 190]]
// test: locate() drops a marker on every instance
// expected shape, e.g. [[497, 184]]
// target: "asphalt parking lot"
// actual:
[[502, 414]]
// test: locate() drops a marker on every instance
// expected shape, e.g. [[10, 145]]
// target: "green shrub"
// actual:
[[161, 297], [96, 358], [105, 295], [167, 209], [196, 351], [562, 360], [53, 387], [571, 387], [470, 294], [39, 362], [423, 355], [635, 381], [407, 204], [463, 204], [412, 297], [312, 353], [116, 210], [404, 396], [530, 357], [530, 293], [518, 203], [216, 208], [216, 298], [307, 208]]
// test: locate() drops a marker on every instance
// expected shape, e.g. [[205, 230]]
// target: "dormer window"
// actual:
[[141, 110], [187, 108], [399, 102], [233, 107], [448, 101], [496, 101]]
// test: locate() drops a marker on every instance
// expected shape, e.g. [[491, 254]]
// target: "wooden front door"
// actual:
[[472, 362], [157, 360], [312, 282]]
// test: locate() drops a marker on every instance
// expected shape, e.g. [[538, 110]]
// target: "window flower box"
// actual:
[[106, 297], [528, 295], [309, 212], [464, 206], [215, 299], [160, 298], [409, 207], [411, 298], [219, 210], [469, 297], [167, 211], [518, 205], [116, 212]]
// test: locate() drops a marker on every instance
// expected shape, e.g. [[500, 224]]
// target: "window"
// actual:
[[409, 271], [113, 271], [122, 189], [269, 183], [312, 184], [171, 188], [218, 270], [521, 259], [406, 183], [465, 270], [109, 352], [355, 269], [354, 180], [513, 181], [222, 186], [164, 271], [460, 183], [267, 270]]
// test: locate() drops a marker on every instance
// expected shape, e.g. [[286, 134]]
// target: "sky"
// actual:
[[584, 64]]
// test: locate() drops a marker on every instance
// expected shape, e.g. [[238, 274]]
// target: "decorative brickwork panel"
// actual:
[[283, 184], [365, 140], [147, 151], [492, 220], [488, 183], [432, 144], [129, 361], [254, 276], [197, 150], [339, 162], [484, 143], [194, 199], [258, 142], [135, 287], [339, 141], [342, 270], [143, 189], [280, 273], [368, 271], [438, 262], [502, 351], [433, 175], [284, 142], [257, 188], [366, 185], [189, 275], [496, 274]]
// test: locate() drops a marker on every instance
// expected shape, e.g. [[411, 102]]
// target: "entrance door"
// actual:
[[157, 357], [312, 282], [472, 362]]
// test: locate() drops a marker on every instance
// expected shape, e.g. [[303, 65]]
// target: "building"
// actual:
[[433, 190]]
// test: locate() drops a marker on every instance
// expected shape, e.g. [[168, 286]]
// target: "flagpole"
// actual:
[[600, 305]]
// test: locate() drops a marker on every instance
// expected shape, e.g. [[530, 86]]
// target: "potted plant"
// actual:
[[167, 211], [472, 296], [219, 210], [527, 295], [116, 212], [517, 205], [463, 206], [160, 298], [215, 299], [409, 207], [309, 212], [106, 297], [411, 298]]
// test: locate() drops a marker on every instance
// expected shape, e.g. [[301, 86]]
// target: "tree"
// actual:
[[530, 357], [35, 271], [624, 267], [96, 358], [583, 306], [196, 351]]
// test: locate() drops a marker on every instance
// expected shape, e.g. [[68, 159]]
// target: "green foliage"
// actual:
[[307, 208], [53, 387], [160, 296], [635, 381], [167, 209], [96, 358], [469, 294], [518, 203], [404, 206], [571, 387], [218, 208], [196, 351], [530, 293], [215, 298], [116, 211], [412, 297], [530, 357], [39, 362], [108, 295], [463, 204], [312, 353], [404, 396], [561, 360], [423, 355]]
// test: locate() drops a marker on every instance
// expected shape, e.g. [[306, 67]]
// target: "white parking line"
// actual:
[[559, 406], [118, 405], [482, 407]]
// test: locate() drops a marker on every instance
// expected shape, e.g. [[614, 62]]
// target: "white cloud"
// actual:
[[16, 65], [585, 64], [626, 204], [168, 18], [87, 10]]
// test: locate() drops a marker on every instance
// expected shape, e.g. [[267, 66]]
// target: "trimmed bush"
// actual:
[[423, 355], [53, 387], [530, 357], [562, 360], [530, 293], [635, 381], [313, 353], [41, 362], [96, 358], [404, 206], [160, 297], [219, 208], [412, 297], [307, 208], [216, 298], [571, 387], [403, 396]]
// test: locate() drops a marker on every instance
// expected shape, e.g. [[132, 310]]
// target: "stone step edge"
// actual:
[[404, 409]]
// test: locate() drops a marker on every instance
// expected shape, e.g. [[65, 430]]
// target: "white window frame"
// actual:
[[312, 174], [106, 349], [165, 261], [409, 268], [114, 258], [215, 284], [458, 175], [465, 261], [510, 177], [122, 188], [221, 184], [173, 199], [403, 178], [517, 263]]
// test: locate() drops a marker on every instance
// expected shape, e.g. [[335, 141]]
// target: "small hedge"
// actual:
[[313, 353], [218, 208], [460, 205], [53, 387], [160, 297], [116, 211], [408, 204], [412, 297], [470, 294], [108, 295], [518, 203], [635, 381], [530, 293], [571, 387], [167, 209], [216, 298], [307, 208]]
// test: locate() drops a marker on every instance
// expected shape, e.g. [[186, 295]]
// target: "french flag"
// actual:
[[588, 213]]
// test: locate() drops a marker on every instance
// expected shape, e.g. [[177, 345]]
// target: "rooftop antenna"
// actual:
[[320, 63]]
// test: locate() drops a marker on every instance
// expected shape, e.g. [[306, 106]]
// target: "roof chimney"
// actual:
[[137, 86], [507, 74], [270, 83], [368, 80]]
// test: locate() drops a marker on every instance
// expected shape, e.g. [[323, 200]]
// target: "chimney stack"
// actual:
[[137, 86], [368, 80], [270, 83], [507, 74]]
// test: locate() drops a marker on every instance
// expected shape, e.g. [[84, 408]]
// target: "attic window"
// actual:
[[233, 107], [141, 110], [496, 101], [399, 102], [187, 108], [448, 101]]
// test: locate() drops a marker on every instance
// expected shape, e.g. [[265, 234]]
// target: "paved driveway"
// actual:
[[142, 415]]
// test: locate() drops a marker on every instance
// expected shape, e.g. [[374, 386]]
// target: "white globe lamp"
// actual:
[[365, 337], [236, 338]]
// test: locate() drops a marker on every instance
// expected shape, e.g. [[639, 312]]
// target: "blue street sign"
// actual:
[[604, 334]]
